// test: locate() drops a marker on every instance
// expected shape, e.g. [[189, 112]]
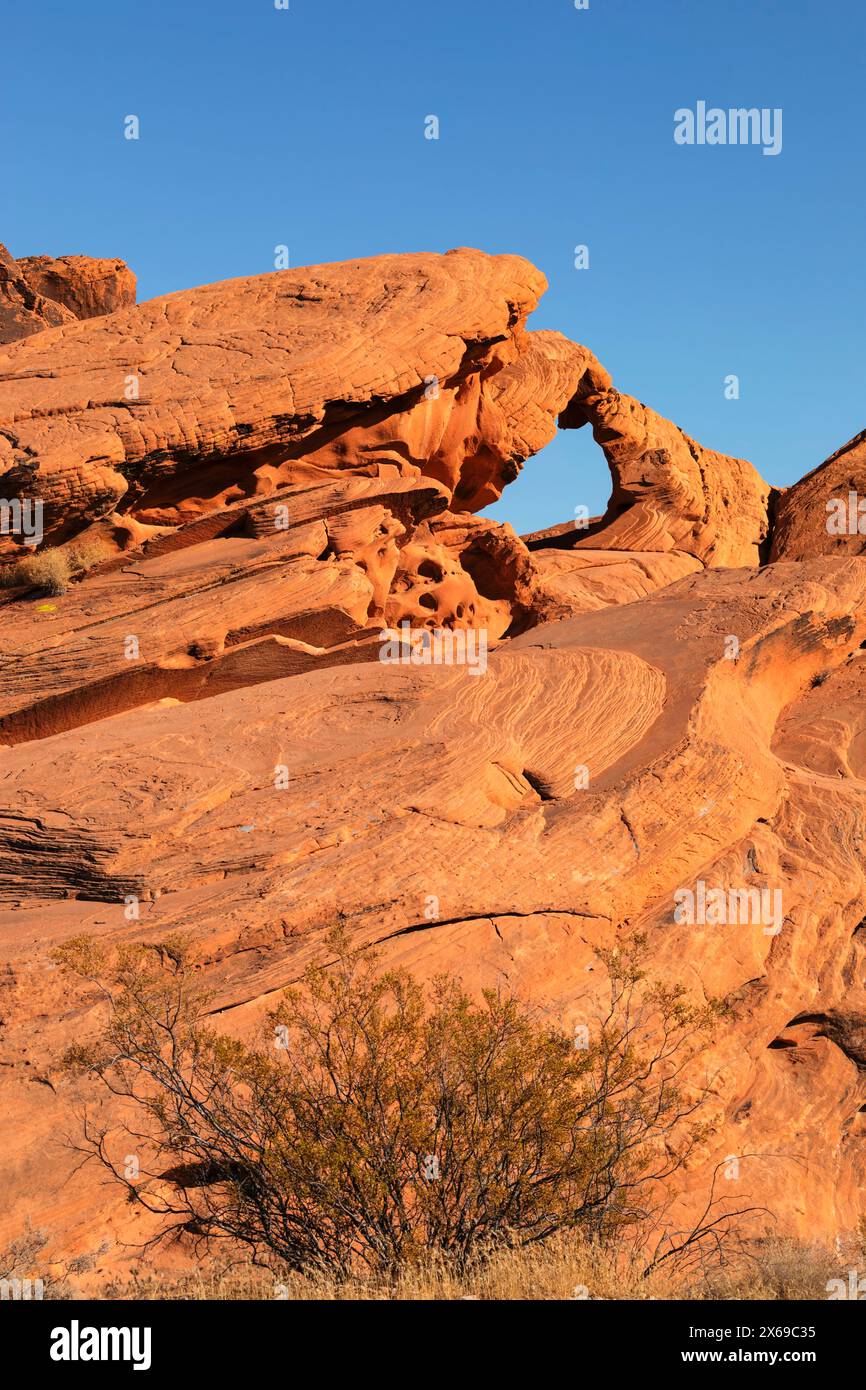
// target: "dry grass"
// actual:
[[565, 1268], [783, 1269], [24, 1261], [51, 570]]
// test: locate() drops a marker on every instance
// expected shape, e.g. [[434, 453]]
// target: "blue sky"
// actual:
[[306, 127]]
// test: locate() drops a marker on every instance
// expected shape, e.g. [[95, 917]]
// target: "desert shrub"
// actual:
[[373, 1124], [49, 571]]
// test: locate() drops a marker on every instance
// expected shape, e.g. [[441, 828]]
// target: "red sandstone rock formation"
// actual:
[[825, 512], [43, 292], [660, 707], [670, 513], [22, 310], [87, 286], [192, 401], [670, 494]]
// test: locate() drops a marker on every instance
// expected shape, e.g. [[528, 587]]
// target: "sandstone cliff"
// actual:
[[275, 470]]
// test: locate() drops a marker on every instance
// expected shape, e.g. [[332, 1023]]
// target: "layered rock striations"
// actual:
[[669, 705]]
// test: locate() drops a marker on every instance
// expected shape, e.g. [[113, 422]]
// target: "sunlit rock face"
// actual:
[[825, 512], [650, 723], [45, 291]]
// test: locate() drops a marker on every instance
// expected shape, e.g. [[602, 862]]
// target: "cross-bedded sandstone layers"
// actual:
[[186, 403], [584, 577], [203, 725], [669, 492], [675, 507], [246, 595], [399, 366], [552, 805]]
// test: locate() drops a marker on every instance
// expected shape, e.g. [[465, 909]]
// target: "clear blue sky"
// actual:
[[305, 127]]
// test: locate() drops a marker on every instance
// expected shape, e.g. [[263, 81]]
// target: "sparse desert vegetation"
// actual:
[[564, 1267], [49, 571], [52, 569], [376, 1134], [204, 738]]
